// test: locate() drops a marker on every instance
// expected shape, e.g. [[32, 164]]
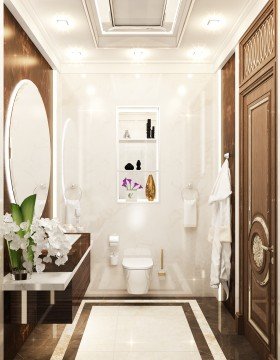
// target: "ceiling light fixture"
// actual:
[[138, 54], [198, 53], [63, 23], [75, 54], [213, 22]]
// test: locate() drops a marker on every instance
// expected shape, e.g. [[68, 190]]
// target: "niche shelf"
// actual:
[[137, 147]]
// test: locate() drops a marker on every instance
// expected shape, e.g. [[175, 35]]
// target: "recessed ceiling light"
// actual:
[[138, 54], [63, 23], [199, 53], [75, 54], [213, 22]]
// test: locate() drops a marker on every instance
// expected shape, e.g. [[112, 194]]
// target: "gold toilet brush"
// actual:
[[161, 271]]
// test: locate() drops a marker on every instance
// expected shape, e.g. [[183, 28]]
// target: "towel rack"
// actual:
[[226, 155], [70, 190], [189, 187]]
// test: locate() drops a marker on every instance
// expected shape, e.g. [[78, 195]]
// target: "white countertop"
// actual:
[[45, 281]]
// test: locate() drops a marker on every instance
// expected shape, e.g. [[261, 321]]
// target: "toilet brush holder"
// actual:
[[161, 271]]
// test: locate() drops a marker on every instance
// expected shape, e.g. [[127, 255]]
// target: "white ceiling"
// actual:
[[83, 35]]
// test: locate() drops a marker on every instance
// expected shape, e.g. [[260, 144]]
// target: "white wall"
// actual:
[[188, 153]]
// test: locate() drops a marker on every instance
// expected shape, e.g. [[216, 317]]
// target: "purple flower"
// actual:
[[140, 186], [135, 185], [124, 183]]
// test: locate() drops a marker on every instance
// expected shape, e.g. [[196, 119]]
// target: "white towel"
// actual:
[[190, 213], [73, 210]]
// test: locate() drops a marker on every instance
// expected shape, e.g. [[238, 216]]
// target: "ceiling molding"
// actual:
[[183, 25], [152, 39], [147, 68], [28, 20], [249, 14], [88, 12]]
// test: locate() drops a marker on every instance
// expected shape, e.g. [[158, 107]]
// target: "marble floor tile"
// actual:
[[95, 355], [168, 355], [139, 329]]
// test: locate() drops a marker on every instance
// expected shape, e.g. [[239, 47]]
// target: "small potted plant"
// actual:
[[32, 242], [131, 188]]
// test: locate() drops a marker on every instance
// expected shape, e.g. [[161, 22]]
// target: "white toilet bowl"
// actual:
[[138, 274]]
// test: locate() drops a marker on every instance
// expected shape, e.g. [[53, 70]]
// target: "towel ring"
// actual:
[[70, 190], [189, 187]]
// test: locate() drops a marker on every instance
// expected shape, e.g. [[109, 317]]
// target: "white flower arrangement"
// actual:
[[35, 242]]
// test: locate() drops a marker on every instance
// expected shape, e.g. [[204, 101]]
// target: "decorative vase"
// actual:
[[131, 195], [20, 274], [150, 188]]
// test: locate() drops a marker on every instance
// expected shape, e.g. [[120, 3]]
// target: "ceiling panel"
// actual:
[[137, 12]]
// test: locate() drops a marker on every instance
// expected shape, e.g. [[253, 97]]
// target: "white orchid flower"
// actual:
[[39, 265], [47, 259], [24, 225], [15, 243], [28, 266], [8, 218]]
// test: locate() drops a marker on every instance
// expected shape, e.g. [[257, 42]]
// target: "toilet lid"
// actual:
[[137, 263]]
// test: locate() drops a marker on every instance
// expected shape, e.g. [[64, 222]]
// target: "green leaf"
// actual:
[[17, 217], [27, 208], [15, 258], [16, 214]]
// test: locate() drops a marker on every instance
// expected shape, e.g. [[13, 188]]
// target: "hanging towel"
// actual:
[[73, 210], [190, 213], [220, 231]]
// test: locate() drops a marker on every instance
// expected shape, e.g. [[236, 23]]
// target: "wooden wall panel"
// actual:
[[228, 146], [22, 60]]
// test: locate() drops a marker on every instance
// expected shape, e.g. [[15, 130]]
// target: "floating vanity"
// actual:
[[54, 295]]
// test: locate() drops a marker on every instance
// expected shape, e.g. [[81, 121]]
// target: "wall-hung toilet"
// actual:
[[138, 271]]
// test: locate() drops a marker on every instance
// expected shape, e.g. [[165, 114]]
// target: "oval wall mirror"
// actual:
[[27, 146]]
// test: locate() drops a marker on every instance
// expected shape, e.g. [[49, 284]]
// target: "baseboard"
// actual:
[[239, 323]]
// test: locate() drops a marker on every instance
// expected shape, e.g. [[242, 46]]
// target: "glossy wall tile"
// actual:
[[188, 154]]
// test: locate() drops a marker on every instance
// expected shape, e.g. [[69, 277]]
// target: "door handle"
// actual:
[[267, 248]]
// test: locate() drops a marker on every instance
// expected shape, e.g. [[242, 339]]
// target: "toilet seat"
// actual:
[[131, 263]]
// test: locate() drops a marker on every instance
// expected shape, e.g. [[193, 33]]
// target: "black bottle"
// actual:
[[148, 128], [153, 132]]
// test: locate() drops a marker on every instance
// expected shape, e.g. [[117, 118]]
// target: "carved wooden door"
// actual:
[[259, 180]]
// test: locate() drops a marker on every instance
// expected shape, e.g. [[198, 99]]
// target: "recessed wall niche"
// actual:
[[137, 154]]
